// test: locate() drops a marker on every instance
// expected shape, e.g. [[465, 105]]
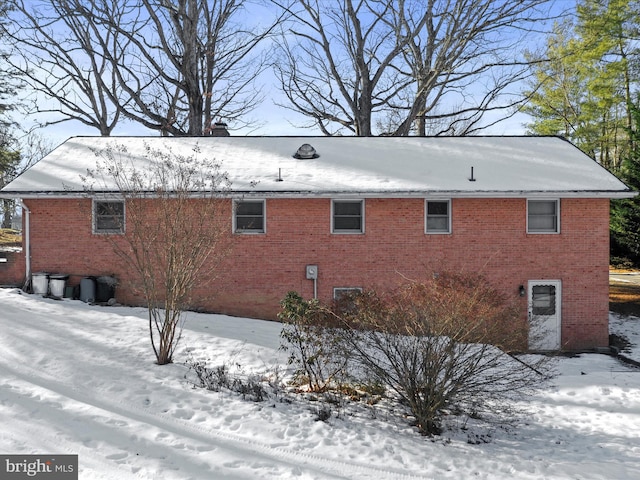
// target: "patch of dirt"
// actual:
[[10, 238]]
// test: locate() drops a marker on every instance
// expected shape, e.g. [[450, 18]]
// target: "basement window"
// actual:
[[249, 216], [347, 216], [108, 216], [343, 293], [344, 298], [543, 216]]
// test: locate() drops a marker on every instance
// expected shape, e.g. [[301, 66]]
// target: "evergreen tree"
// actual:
[[625, 214], [584, 83], [557, 94]]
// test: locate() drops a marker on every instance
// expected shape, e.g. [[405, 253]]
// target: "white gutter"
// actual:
[[288, 194], [26, 240]]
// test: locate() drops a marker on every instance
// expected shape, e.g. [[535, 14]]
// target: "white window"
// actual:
[[543, 216], [108, 216], [347, 216], [249, 216], [438, 216]]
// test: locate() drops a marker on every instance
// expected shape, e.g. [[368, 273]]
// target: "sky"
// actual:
[[272, 119], [278, 121]]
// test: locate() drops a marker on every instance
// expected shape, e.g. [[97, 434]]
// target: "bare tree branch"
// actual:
[[172, 66], [405, 65]]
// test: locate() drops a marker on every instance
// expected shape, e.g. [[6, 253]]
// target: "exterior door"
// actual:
[[545, 307]]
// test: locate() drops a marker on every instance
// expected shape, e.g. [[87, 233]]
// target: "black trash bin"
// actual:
[[105, 288]]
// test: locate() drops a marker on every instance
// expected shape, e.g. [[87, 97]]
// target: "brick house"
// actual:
[[322, 214]]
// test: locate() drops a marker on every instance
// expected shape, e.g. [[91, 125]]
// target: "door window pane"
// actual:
[[544, 300]]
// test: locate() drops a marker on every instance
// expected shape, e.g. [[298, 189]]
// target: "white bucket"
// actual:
[[57, 284], [40, 283]]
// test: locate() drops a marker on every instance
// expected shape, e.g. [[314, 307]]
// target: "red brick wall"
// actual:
[[488, 237], [12, 268]]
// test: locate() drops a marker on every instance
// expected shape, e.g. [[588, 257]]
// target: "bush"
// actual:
[[442, 345], [215, 379], [312, 343]]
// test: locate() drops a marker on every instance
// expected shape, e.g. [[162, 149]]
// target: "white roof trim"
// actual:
[[434, 194]]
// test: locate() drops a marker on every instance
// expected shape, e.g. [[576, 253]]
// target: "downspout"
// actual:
[[26, 241]]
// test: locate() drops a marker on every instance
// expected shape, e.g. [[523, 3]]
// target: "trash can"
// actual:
[[88, 290], [106, 288], [57, 284], [40, 283]]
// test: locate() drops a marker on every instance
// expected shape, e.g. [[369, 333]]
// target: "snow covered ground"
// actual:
[[80, 379]]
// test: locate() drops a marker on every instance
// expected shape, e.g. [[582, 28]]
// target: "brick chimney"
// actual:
[[219, 129]]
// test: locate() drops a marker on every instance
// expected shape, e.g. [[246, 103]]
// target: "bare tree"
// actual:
[[337, 63], [174, 225], [172, 66], [467, 54], [435, 66], [16, 156], [53, 48]]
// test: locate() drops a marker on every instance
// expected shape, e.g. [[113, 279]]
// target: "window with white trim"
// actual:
[[543, 216], [249, 216], [108, 216], [347, 216], [438, 216]]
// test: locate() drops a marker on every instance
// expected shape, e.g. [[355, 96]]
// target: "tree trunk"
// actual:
[[7, 213]]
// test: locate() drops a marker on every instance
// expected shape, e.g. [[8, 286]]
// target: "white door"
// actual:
[[545, 307]]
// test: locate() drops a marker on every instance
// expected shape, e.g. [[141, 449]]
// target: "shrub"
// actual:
[[312, 343], [441, 345], [217, 378]]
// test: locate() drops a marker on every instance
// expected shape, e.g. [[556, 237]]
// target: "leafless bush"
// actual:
[[213, 379], [442, 345], [251, 387], [171, 232]]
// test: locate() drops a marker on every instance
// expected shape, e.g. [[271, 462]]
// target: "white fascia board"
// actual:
[[440, 194], [348, 194]]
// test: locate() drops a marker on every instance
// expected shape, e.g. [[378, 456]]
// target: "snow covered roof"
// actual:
[[352, 166]]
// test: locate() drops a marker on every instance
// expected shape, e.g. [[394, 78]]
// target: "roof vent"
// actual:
[[305, 152]]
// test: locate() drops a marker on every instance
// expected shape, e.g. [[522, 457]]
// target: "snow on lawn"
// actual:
[[628, 328], [80, 379]]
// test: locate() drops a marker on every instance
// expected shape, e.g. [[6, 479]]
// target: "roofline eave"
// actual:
[[612, 194]]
